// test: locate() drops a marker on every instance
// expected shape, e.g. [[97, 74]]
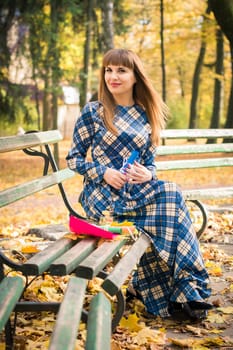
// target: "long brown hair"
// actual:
[[144, 93]]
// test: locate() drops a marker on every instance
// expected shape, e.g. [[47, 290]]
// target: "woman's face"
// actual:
[[119, 80]]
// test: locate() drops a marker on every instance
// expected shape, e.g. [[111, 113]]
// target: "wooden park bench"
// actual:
[[83, 259]]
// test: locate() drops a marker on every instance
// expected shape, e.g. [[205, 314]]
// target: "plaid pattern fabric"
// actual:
[[172, 268]]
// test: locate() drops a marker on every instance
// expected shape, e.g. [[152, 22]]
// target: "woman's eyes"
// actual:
[[120, 70]]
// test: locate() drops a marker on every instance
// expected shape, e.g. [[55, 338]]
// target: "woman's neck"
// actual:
[[124, 100]]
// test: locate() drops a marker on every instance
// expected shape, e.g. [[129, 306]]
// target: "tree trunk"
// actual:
[[196, 78], [55, 71], [7, 15], [181, 80], [37, 101], [223, 12], [46, 115], [163, 66], [229, 119], [84, 72], [214, 124], [107, 24]]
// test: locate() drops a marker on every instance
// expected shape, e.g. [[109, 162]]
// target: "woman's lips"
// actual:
[[114, 84]]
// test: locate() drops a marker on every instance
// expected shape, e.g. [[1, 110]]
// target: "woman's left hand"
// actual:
[[137, 174]]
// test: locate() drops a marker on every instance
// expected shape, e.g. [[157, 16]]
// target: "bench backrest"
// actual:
[[197, 147], [32, 139], [44, 139], [26, 142], [197, 133]]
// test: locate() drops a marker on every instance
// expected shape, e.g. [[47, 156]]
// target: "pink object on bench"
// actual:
[[83, 227]]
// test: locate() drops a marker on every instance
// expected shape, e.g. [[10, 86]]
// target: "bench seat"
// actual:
[[117, 277], [69, 315]]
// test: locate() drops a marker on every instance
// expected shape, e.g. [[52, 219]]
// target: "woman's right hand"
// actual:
[[115, 178]]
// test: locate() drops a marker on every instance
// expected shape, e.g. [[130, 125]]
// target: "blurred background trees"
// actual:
[[50, 51]]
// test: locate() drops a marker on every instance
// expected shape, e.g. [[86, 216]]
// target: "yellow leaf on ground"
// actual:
[[215, 318], [94, 285], [131, 323], [114, 345], [217, 341], [213, 268], [204, 343], [217, 271], [226, 310], [50, 293], [215, 331], [187, 343], [29, 249], [72, 236], [196, 330], [149, 336], [122, 224]]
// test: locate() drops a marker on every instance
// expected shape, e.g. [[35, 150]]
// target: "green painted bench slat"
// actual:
[[120, 273], [98, 259], [66, 328], [207, 193], [99, 324], [41, 261], [70, 260], [11, 289], [188, 149], [18, 192], [196, 133], [12, 143], [194, 163]]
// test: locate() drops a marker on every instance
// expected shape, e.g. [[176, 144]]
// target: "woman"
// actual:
[[171, 278]]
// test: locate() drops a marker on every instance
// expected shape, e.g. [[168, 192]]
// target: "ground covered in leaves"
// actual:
[[136, 330]]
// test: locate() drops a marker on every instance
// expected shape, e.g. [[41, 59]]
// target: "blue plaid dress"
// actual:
[[172, 269]]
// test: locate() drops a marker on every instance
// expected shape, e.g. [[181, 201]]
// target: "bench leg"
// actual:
[[9, 336], [99, 324], [119, 310]]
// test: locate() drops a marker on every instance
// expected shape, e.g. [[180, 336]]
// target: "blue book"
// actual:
[[134, 155]]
